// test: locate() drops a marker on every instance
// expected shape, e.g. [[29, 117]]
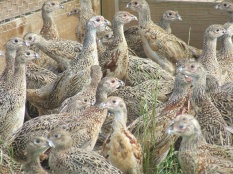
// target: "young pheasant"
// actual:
[[62, 51], [208, 58], [195, 154], [87, 124], [13, 97], [152, 132], [121, 148], [116, 57], [51, 96], [88, 93], [11, 47], [213, 126], [132, 33], [160, 46], [225, 54], [64, 158], [226, 6], [35, 147]]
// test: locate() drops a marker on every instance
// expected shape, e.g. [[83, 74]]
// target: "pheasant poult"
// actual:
[[195, 154], [121, 148], [64, 158]]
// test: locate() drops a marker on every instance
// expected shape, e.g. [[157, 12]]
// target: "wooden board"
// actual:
[[197, 16]]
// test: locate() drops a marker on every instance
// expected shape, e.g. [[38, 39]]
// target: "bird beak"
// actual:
[[122, 83], [179, 17], [69, 14], [61, 6], [128, 5], [134, 17], [27, 43], [51, 144], [217, 6], [169, 129], [103, 105], [224, 31], [37, 55], [107, 22]]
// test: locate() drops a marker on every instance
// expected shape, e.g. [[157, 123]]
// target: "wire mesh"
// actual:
[[13, 9]]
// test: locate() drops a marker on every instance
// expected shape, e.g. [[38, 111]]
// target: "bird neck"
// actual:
[[144, 16], [118, 31], [47, 19], [33, 164], [101, 95], [199, 91], [209, 48], [164, 24], [10, 60], [120, 119], [193, 141], [227, 46]]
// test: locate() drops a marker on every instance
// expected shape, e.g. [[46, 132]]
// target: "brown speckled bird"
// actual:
[[35, 147], [213, 126], [64, 158], [195, 154], [13, 96], [87, 124], [151, 128], [226, 6], [121, 148], [116, 57], [208, 58], [52, 95], [160, 46]]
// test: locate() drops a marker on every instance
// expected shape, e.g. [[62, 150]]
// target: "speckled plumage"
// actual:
[[226, 6], [11, 47], [52, 95], [195, 154], [160, 46], [88, 93], [208, 58], [35, 147], [70, 160], [225, 54], [62, 51], [213, 126], [13, 97], [87, 124], [152, 133], [121, 148], [114, 61]]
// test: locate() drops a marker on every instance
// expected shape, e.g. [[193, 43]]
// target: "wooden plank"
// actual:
[[108, 9]]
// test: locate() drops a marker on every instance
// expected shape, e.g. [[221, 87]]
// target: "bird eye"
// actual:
[[113, 81], [28, 53], [57, 136], [16, 41], [217, 30], [85, 100], [136, 3], [225, 5], [98, 20], [30, 38], [125, 15], [169, 14], [52, 3], [192, 66], [114, 101], [37, 141]]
